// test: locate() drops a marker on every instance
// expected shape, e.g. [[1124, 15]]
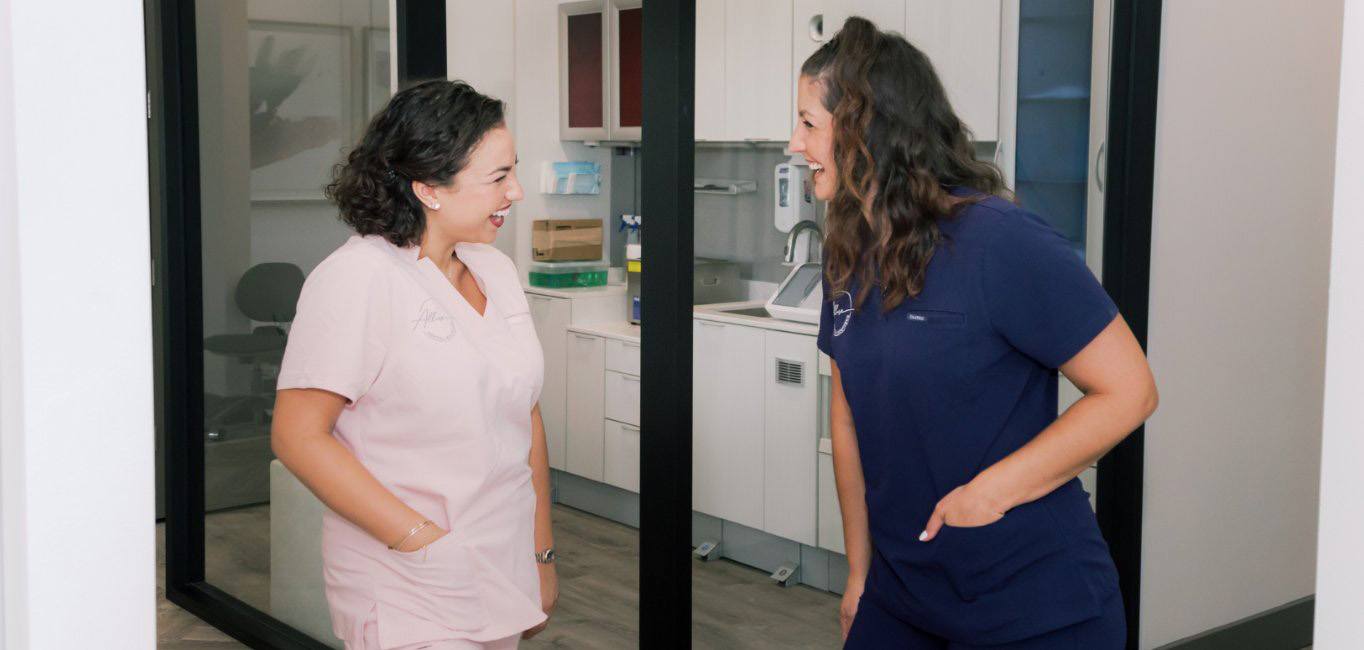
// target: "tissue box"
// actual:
[[566, 240]]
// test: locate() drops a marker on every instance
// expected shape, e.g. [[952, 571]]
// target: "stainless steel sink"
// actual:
[[758, 312]]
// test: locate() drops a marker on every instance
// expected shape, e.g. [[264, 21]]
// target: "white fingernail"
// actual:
[[923, 537]]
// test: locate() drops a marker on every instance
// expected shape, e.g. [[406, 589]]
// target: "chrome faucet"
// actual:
[[789, 255]]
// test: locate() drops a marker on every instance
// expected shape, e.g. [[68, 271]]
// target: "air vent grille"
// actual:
[[790, 372]]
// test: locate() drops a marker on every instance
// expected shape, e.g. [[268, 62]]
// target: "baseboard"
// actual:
[[1286, 627]]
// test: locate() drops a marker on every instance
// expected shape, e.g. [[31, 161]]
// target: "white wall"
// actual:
[[535, 107], [480, 49], [1245, 135], [75, 328], [1340, 567]]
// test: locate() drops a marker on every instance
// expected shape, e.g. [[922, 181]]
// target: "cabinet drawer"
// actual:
[[622, 357], [622, 455], [622, 397]]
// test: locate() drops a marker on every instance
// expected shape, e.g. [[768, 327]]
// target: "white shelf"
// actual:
[[723, 186]]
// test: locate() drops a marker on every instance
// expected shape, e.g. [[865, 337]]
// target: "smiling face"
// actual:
[[476, 202], [814, 136]]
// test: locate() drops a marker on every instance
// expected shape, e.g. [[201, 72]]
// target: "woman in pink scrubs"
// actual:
[[408, 393]]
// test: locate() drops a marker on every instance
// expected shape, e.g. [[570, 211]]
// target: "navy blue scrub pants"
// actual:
[[874, 628]]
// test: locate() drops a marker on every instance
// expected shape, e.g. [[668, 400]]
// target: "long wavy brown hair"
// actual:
[[899, 148]]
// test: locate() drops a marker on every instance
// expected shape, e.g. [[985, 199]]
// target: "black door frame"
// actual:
[[666, 466], [170, 28], [1128, 198], [666, 345]]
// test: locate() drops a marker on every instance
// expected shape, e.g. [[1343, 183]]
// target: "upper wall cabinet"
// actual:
[[743, 51], [960, 37], [600, 70], [583, 72]]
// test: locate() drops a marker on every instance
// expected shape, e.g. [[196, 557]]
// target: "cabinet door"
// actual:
[[551, 317], [727, 416], [757, 70], [627, 51], [962, 39], [887, 15], [586, 369], [791, 435], [583, 74], [710, 70], [622, 455]]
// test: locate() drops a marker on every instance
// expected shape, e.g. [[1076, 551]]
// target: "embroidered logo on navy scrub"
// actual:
[[842, 311], [432, 321]]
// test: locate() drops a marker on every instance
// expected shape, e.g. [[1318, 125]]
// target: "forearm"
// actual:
[[852, 502], [849, 481], [1083, 434], [539, 468], [338, 479]]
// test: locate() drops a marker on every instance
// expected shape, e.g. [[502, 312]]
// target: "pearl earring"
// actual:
[[435, 206]]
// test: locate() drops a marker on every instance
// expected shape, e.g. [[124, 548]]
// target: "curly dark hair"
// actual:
[[424, 133], [898, 142]]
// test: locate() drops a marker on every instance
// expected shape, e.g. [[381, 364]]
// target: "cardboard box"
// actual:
[[566, 240]]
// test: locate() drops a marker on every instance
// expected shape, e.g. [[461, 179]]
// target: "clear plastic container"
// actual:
[[560, 275]]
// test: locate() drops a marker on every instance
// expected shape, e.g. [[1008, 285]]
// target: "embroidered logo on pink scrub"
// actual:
[[432, 321]]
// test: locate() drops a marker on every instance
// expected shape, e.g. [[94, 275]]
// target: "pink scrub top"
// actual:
[[439, 412]]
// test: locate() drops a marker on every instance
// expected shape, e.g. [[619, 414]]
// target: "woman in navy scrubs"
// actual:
[[949, 311]]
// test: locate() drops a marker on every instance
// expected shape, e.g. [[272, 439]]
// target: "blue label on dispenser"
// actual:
[[634, 309]]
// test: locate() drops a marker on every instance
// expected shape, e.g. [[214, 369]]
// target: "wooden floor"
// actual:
[[733, 606]]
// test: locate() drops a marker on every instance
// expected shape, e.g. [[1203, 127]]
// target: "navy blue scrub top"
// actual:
[[949, 383]]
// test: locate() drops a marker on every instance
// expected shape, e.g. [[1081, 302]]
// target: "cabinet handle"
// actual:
[[633, 378], [626, 427], [706, 323], [1101, 164], [584, 337], [757, 139]]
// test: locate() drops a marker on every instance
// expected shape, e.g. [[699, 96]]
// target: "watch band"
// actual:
[[545, 557]]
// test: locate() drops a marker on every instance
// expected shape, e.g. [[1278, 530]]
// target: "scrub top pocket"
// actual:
[[436, 595], [983, 559]]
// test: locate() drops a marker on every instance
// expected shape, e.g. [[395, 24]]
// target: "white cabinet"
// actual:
[[603, 407], [727, 416], [600, 75], [757, 47], [791, 435], [586, 359], [962, 39], [743, 54], [551, 317], [622, 455], [553, 312], [830, 515], [710, 70]]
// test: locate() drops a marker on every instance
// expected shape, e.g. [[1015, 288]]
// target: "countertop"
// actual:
[[618, 330], [577, 292], [719, 313]]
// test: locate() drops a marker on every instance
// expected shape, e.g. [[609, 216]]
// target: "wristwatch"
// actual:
[[545, 557]]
